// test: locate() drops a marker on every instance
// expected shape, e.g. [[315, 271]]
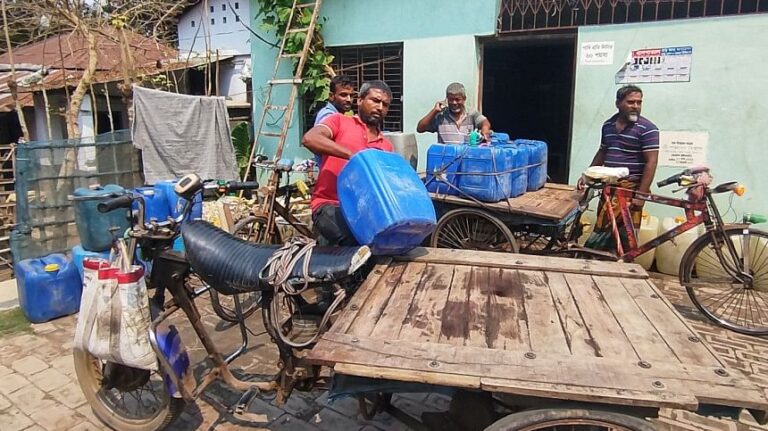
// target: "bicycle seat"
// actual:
[[231, 265], [604, 174]]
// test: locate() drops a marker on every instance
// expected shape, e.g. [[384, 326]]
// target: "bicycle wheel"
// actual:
[[473, 229], [735, 305], [251, 228], [574, 419], [125, 398]]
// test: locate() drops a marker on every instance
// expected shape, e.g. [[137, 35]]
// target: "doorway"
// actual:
[[528, 93]]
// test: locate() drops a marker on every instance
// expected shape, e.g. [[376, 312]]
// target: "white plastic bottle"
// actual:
[[649, 228], [670, 253]]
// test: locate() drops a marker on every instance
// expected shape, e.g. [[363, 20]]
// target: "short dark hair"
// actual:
[[626, 90], [374, 85], [341, 81]]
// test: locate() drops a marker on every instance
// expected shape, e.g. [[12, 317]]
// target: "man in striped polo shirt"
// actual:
[[628, 140], [452, 121]]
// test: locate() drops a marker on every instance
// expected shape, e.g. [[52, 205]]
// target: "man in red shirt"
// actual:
[[336, 139]]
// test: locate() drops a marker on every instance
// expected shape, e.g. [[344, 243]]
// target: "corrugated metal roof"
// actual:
[[66, 57]]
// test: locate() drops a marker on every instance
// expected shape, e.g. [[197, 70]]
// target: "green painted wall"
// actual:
[[439, 47], [725, 97]]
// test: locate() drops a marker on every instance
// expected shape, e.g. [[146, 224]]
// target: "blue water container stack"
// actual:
[[176, 203], [484, 173], [49, 287], [517, 160], [96, 230], [155, 204], [443, 161], [537, 173], [385, 203]]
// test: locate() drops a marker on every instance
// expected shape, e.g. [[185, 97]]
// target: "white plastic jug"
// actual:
[[708, 265], [669, 254], [649, 228]]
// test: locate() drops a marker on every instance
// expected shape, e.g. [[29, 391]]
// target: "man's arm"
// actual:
[[426, 124], [599, 158], [319, 140]]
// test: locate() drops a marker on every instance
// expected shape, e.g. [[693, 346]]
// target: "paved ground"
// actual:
[[39, 391]]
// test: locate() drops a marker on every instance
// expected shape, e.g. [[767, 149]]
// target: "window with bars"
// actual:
[[531, 15], [368, 63]]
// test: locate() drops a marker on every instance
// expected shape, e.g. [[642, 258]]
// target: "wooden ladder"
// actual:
[[291, 28]]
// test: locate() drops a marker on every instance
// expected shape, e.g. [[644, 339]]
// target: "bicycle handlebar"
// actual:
[[677, 177], [235, 186], [123, 201]]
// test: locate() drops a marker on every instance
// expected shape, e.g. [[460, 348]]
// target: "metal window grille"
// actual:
[[532, 15], [367, 63], [47, 172]]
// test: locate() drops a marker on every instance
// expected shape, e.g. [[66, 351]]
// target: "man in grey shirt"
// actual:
[[452, 121]]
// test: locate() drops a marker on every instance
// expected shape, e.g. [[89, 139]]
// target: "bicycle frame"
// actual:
[[705, 207]]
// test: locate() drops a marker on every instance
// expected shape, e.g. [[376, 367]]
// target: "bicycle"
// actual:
[[724, 271], [260, 227]]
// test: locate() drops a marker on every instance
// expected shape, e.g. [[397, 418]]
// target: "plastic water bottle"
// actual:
[[473, 138]]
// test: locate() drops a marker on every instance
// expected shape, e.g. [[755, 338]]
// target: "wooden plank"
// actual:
[[388, 326], [478, 308], [607, 336], [595, 381], [550, 202], [453, 380], [424, 318], [647, 342], [454, 326], [665, 384], [623, 397], [370, 312], [673, 329], [544, 326], [362, 294], [507, 322], [523, 262], [574, 328]]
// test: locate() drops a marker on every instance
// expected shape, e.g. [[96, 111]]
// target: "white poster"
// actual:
[[683, 149], [596, 53], [657, 65]]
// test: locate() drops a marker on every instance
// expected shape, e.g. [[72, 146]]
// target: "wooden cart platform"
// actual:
[[553, 202], [529, 325]]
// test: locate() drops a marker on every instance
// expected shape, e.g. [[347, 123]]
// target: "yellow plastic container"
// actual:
[[669, 254], [649, 228], [588, 224]]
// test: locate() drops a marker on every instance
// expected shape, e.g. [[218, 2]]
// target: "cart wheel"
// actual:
[[571, 419], [534, 242], [473, 229]]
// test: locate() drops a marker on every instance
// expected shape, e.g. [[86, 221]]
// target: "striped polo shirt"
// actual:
[[624, 149], [450, 131]]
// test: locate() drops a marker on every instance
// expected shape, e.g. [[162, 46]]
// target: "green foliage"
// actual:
[[241, 140], [274, 15], [13, 322]]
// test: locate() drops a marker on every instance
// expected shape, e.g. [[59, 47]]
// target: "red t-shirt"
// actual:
[[349, 132]]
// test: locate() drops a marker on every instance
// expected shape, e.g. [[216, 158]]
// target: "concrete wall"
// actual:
[[439, 47], [230, 37], [725, 97]]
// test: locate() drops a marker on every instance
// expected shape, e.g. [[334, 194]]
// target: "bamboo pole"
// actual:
[[94, 111], [109, 108], [12, 83]]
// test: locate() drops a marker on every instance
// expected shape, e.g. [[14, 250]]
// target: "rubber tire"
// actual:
[[529, 419], [478, 213], [89, 384], [686, 268]]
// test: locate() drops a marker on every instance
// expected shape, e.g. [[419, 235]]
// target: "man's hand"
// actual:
[[637, 204], [439, 106]]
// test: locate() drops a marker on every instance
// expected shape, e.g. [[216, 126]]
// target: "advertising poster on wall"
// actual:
[[657, 65]]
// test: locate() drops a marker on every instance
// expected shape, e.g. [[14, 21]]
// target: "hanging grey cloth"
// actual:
[[179, 134]]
